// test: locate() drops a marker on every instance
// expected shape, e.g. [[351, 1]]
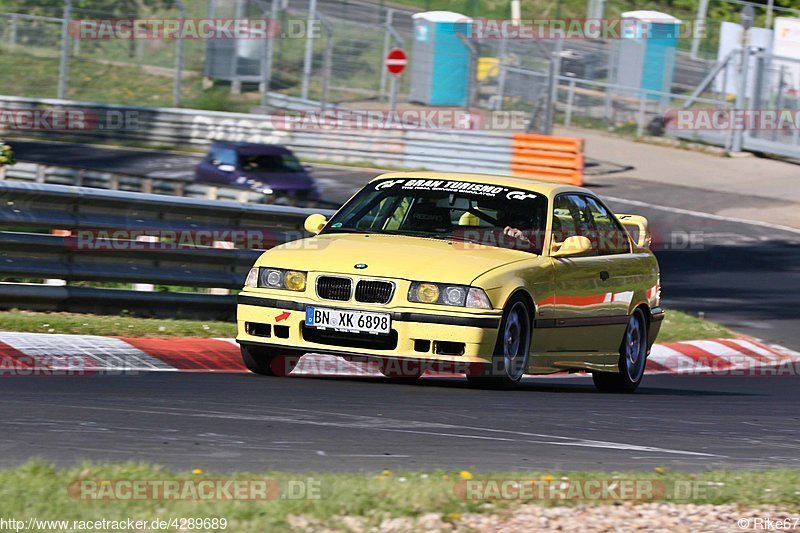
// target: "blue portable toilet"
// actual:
[[440, 59], [647, 51]]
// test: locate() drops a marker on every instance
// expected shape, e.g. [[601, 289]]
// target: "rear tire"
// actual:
[[510, 358], [632, 359], [266, 362]]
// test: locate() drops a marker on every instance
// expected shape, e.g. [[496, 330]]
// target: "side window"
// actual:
[[571, 217], [222, 156], [609, 238]]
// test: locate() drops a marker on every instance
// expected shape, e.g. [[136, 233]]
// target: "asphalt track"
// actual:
[[743, 275], [235, 421], [337, 182]]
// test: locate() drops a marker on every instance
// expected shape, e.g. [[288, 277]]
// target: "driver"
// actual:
[[512, 227], [515, 233]]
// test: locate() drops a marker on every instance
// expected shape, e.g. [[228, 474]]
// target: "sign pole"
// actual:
[[393, 96]]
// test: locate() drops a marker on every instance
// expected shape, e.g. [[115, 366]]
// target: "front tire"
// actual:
[[266, 362], [511, 351], [632, 358]]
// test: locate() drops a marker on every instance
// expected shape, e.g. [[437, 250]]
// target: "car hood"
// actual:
[[392, 256]]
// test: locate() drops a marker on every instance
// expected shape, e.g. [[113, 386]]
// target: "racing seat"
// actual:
[[427, 217]]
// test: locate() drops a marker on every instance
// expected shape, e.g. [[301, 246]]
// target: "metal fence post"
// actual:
[[570, 101], [236, 81], [699, 27], [12, 32], [326, 62], [640, 114], [780, 99], [309, 51], [747, 16], [176, 88], [266, 57], [741, 97], [501, 76], [387, 38], [552, 86], [758, 80], [63, 68], [471, 70]]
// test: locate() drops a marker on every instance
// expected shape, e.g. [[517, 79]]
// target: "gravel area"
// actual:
[[675, 518]]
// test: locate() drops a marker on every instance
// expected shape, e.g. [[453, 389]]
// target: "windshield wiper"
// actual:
[[446, 237], [361, 231]]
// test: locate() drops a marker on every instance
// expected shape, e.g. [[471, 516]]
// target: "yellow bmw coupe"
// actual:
[[492, 276]]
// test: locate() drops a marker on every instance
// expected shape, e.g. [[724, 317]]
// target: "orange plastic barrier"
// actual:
[[547, 158]]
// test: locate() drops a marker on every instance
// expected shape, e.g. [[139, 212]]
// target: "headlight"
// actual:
[[276, 278], [455, 295]]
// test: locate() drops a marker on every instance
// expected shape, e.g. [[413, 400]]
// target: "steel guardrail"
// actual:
[[410, 148], [99, 239]]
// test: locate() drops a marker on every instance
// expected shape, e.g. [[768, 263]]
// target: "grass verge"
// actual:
[[373, 496], [117, 326], [677, 326]]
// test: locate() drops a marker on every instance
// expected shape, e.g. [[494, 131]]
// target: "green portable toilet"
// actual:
[[440, 59]]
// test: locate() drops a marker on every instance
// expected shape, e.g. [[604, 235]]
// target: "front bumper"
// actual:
[[286, 318]]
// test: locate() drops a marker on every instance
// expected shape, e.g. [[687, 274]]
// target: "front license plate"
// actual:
[[349, 321]]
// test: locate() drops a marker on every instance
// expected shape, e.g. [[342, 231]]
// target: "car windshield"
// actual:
[[480, 213], [270, 163]]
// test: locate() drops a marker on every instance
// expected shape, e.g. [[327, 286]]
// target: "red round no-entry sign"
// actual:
[[396, 61]]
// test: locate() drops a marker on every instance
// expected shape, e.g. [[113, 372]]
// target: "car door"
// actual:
[[584, 318], [613, 244]]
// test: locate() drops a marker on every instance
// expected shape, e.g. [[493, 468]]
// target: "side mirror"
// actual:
[[575, 245], [639, 229], [226, 168], [314, 223]]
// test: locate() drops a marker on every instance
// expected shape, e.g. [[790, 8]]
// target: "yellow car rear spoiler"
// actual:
[[639, 229]]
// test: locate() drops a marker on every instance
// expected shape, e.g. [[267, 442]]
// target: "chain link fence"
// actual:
[[331, 53], [45, 56]]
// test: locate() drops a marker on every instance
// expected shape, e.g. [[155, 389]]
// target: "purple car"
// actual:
[[269, 168]]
